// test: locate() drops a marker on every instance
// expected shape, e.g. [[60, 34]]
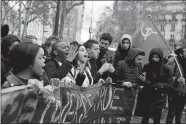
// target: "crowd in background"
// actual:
[[86, 64]]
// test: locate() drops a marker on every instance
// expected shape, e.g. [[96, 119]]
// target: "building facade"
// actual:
[[171, 22]]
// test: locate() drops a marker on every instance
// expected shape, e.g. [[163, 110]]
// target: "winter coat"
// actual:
[[54, 70], [177, 88], [5, 69], [118, 55], [127, 71], [158, 80], [121, 54], [13, 80]]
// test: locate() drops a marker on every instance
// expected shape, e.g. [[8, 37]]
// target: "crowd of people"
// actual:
[[85, 64]]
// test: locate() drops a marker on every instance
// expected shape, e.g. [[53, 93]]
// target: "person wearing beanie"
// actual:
[[7, 44]]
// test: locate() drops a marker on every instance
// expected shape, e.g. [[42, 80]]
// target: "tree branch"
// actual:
[[33, 19], [23, 4], [52, 7], [75, 4], [12, 7]]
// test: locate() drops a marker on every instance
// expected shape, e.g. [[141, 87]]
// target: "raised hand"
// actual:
[[111, 69], [105, 67], [72, 53]]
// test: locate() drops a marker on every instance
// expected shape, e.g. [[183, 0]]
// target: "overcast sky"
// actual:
[[98, 9]]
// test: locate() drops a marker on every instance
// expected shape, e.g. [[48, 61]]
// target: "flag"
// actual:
[[103, 102], [148, 37], [21, 104]]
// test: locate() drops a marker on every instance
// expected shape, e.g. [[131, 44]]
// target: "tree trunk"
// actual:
[[56, 25], [62, 21], [3, 12], [26, 19], [19, 27]]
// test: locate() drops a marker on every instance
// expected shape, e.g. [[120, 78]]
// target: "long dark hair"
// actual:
[[22, 56], [74, 63]]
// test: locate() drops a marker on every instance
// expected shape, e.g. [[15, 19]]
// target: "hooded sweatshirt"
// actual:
[[158, 75], [127, 70], [158, 80], [120, 53]]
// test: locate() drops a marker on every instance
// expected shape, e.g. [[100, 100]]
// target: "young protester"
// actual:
[[80, 73], [123, 48], [47, 46], [8, 42], [27, 62], [61, 58], [157, 80], [127, 74], [105, 41], [177, 93], [92, 48]]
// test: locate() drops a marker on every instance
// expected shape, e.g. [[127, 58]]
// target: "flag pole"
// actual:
[[174, 55]]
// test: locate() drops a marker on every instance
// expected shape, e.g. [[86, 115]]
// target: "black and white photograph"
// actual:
[[93, 62]]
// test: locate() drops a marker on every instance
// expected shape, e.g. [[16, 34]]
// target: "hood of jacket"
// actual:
[[125, 36], [133, 53], [157, 51]]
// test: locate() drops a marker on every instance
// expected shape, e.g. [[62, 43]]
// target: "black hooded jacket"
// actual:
[[157, 74], [127, 70], [158, 80]]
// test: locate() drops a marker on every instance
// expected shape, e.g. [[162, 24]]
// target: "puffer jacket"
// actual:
[[127, 71]]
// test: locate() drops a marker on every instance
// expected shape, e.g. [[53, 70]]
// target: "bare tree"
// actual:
[[6, 8], [26, 21], [66, 8], [56, 24]]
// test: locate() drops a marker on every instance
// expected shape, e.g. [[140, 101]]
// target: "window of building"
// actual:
[[172, 36], [172, 27], [162, 27], [171, 40], [183, 28]]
